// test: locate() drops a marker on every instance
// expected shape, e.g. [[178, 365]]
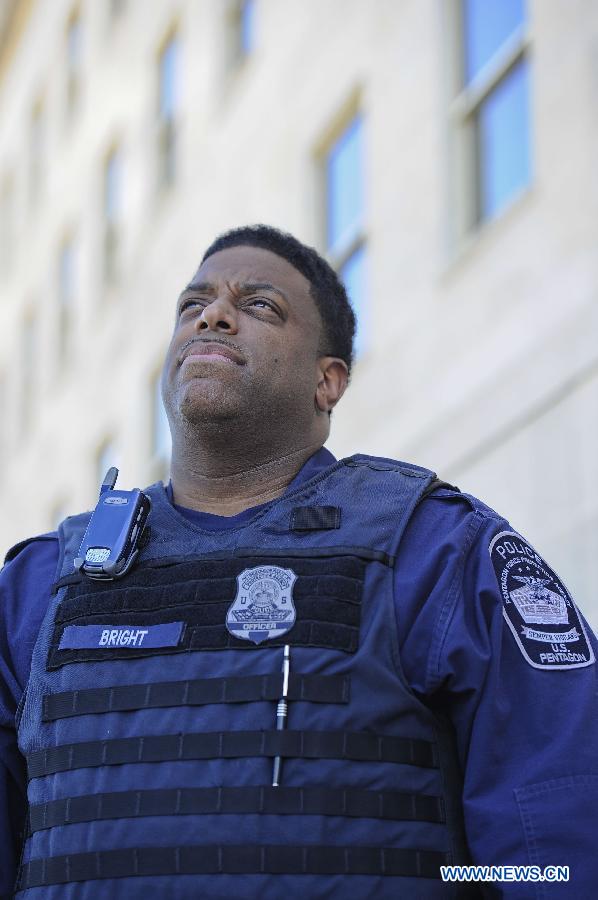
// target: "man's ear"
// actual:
[[333, 377]]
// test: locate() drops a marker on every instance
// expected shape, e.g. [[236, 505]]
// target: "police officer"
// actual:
[[321, 678]]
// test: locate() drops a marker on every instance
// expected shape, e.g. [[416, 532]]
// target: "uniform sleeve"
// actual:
[[25, 585], [524, 708]]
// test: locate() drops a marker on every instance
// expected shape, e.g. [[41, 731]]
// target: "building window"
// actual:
[[66, 298], [28, 369], [242, 23], [111, 215], [167, 108], [161, 442], [73, 63], [36, 152], [345, 219], [492, 109], [7, 226]]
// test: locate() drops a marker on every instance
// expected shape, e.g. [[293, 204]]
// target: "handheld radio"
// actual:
[[110, 544]]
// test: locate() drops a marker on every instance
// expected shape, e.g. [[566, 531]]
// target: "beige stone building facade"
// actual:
[[442, 156]]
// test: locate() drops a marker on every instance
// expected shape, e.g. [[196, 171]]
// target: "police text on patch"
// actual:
[[537, 607]]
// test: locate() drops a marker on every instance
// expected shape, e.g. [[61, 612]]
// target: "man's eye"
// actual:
[[188, 304], [264, 301]]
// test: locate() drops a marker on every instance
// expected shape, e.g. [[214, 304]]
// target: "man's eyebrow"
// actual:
[[249, 286], [203, 287]]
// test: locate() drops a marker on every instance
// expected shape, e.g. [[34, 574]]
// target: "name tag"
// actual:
[[78, 637]]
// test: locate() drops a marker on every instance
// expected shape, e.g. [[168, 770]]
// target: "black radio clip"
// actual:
[[111, 542]]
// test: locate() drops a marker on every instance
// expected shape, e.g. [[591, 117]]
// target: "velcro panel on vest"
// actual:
[[197, 692], [220, 859], [356, 745], [327, 597], [315, 518], [291, 801]]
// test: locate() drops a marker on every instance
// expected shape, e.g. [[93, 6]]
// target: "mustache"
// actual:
[[211, 340]]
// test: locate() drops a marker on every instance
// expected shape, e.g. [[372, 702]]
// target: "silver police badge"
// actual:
[[263, 607]]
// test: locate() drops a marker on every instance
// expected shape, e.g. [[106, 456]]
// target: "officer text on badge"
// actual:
[[537, 607], [263, 607]]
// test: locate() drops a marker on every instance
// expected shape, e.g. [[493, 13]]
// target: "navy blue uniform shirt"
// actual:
[[527, 734]]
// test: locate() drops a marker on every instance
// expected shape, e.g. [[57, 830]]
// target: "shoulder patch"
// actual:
[[537, 607]]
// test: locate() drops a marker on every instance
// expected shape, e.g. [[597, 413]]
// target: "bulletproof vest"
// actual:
[[150, 727]]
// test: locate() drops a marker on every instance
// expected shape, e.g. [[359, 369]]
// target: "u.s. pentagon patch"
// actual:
[[537, 607]]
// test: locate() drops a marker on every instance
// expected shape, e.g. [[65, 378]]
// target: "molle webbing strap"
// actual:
[[119, 698], [233, 745], [315, 518], [258, 555], [316, 801], [226, 859], [327, 597]]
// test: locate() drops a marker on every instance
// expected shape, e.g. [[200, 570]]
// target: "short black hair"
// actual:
[[326, 288]]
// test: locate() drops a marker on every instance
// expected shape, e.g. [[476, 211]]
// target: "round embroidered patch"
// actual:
[[537, 607]]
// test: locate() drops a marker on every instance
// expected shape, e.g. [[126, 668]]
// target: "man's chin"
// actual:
[[207, 408], [207, 414]]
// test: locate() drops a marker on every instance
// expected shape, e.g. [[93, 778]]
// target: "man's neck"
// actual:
[[220, 487]]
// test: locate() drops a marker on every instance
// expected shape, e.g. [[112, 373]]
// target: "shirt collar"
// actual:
[[319, 460]]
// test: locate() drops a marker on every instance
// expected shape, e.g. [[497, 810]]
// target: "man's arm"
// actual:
[[25, 584], [527, 736]]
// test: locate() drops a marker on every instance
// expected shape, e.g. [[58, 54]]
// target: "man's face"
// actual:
[[255, 306]]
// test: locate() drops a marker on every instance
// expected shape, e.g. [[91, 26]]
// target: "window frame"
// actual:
[[65, 300], [111, 219], [73, 63], [37, 146], [465, 101], [167, 124], [339, 254]]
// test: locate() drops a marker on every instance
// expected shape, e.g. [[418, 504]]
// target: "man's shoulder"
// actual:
[[41, 543], [438, 488], [34, 543], [442, 491], [386, 463]]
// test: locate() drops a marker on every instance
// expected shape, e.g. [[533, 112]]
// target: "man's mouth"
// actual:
[[212, 351]]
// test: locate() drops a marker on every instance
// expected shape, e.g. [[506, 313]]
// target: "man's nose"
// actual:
[[219, 315]]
